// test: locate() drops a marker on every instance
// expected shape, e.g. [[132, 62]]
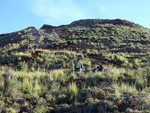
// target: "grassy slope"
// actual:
[[30, 56]]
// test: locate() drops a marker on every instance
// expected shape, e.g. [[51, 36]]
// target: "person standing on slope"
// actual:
[[99, 67], [78, 66]]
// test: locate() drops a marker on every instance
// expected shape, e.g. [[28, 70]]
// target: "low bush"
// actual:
[[26, 86], [140, 84], [73, 90], [22, 66]]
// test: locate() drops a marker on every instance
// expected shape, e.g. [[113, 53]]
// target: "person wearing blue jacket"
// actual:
[[78, 66]]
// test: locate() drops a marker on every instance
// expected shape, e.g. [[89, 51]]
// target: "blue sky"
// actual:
[[16, 15]]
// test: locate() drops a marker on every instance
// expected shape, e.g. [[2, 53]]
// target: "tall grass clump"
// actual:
[[40, 109], [26, 86], [22, 66], [58, 75], [72, 64], [1, 80], [128, 88], [81, 75], [71, 91], [139, 84], [72, 76], [65, 91], [118, 91], [100, 77], [1, 85], [36, 88], [55, 86], [13, 87], [117, 94], [10, 72], [146, 91], [113, 74]]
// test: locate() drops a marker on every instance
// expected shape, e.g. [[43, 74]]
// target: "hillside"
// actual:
[[120, 39], [37, 75]]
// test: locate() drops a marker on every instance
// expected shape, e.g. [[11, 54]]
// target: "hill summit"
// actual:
[[94, 22]]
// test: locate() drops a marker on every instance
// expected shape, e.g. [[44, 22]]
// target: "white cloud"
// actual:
[[56, 9]]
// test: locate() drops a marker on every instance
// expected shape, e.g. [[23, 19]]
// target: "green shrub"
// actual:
[[66, 92], [12, 87], [26, 86], [113, 74], [73, 89], [40, 109], [2, 104], [22, 66], [72, 76], [89, 63], [68, 28], [72, 64], [58, 75], [100, 77], [136, 62], [120, 60], [127, 88], [131, 65], [117, 94], [139, 84], [107, 59], [69, 41], [37, 88], [54, 101], [74, 41], [55, 86], [81, 75], [1, 84], [11, 110], [39, 59]]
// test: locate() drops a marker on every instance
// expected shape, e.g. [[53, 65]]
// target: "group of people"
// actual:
[[78, 66]]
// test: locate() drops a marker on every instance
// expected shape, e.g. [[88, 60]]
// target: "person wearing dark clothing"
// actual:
[[99, 67]]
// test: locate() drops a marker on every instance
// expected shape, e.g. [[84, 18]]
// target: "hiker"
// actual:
[[99, 67], [78, 66]]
